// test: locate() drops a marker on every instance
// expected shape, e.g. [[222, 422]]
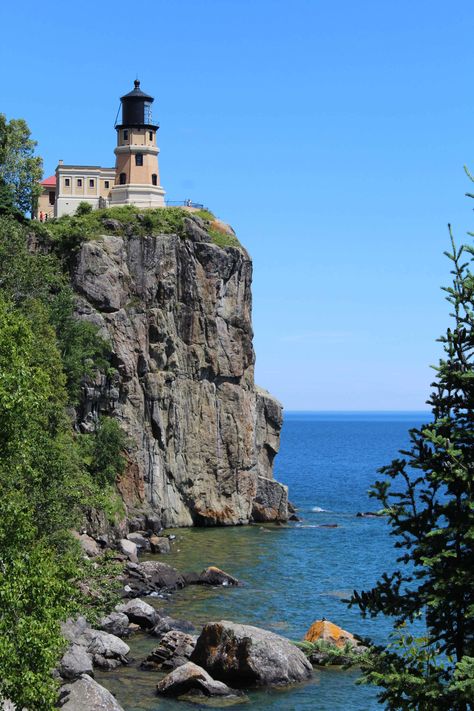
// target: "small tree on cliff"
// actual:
[[20, 169], [428, 498]]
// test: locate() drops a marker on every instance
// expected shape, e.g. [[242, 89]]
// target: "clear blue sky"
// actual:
[[331, 135]]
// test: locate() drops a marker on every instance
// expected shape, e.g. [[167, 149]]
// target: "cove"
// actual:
[[292, 574]]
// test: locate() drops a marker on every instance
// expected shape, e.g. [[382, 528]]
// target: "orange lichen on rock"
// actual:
[[329, 632]]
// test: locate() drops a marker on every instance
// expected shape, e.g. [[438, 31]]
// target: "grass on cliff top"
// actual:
[[70, 231]]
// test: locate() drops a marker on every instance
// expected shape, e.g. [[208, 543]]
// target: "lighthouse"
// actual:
[[137, 178]]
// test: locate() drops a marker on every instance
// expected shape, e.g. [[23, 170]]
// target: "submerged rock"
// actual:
[[85, 694], [243, 654], [190, 677]]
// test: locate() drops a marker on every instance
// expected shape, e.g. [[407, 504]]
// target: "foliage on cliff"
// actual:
[[67, 233], [428, 496], [46, 482]]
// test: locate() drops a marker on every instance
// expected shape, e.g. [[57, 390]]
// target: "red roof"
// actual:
[[51, 181]]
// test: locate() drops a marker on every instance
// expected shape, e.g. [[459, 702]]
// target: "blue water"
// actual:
[[294, 575]]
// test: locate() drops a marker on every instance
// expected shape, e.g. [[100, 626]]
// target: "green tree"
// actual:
[[20, 169], [428, 497]]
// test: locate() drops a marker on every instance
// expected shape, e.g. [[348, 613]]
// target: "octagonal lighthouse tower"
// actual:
[[137, 178]]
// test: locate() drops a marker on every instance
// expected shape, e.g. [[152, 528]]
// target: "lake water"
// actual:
[[298, 573]]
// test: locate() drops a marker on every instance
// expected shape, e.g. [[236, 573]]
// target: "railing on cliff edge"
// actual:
[[185, 203]]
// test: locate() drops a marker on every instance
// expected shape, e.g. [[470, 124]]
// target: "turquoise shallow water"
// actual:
[[295, 574]]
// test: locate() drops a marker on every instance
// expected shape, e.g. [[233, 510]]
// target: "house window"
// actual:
[[91, 183], [67, 182], [122, 178], [52, 197], [154, 179], [106, 184], [79, 182], [138, 158], [151, 135], [125, 135]]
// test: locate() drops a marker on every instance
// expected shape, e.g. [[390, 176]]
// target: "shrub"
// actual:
[[83, 209]]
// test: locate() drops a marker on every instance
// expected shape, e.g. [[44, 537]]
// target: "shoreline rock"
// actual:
[[247, 655]]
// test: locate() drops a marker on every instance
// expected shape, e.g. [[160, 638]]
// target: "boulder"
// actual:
[[152, 576], [104, 644], [89, 546], [159, 544], [129, 549], [271, 501], [139, 612], [73, 630], [216, 576], [141, 542], [174, 650], [190, 677], [116, 623], [329, 632], [75, 662], [244, 654], [85, 693]]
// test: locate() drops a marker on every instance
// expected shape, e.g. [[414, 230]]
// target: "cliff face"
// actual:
[[177, 312]]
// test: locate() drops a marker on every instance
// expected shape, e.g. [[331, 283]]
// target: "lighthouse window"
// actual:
[[67, 182], [91, 183], [79, 182], [154, 179], [123, 178], [125, 135], [138, 158], [106, 184], [150, 133]]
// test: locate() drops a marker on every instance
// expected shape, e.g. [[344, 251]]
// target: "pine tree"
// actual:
[[428, 497]]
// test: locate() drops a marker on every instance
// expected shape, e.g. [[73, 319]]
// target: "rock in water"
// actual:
[[115, 623], [174, 650], [190, 677], [216, 576], [160, 544], [329, 632], [271, 501], [177, 312], [243, 654], [139, 612], [85, 694]]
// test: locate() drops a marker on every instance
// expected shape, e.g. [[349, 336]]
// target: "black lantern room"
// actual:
[[136, 109]]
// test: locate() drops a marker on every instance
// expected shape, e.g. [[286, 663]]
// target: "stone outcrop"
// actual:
[[174, 650], [85, 693], [243, 654], [327, 631], [177, 313], [191, 678]]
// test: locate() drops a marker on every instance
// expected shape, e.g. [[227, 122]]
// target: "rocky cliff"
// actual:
[[177, 312]]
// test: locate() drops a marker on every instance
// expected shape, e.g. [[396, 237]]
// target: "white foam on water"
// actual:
[[318, 509]]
